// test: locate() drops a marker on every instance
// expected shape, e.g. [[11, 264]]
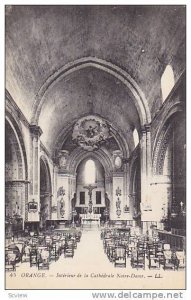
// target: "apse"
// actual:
[[90, 172]]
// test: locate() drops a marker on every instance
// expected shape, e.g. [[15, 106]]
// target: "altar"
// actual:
[[90, 219]]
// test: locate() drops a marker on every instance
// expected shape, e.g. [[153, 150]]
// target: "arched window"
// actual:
[[90, 172], [167, 82], [135, 137]]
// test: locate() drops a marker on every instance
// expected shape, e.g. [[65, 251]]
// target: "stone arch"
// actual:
[[45, 191], [16, 177], [100, 184], [66, 131], [44, 161], [140, 100], [162, 139], [79, 155], [134, 166], [161, 150], [17, 140]]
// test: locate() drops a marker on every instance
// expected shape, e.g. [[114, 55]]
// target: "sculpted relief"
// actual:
[[89, 132]]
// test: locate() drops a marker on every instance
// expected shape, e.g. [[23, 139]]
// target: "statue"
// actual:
[[107, 202], [90, 189], [61, 191], [62, 207], [73, 201]]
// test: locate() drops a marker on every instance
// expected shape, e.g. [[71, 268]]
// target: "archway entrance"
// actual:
[[15, 182], [45, 194], [90, 188]]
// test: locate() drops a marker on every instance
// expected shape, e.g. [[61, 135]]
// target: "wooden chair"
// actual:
[[33, 257], [14, 249], [69, 249], [53, 252], [154, 262], [131, 248], [120, 257], [138, 259], [180, 260], [78, 236], [111, 251], [48, 241], [125, 244], [10, 260], [74, 242], [26, 254], [169, 262], [166, 247], [106, 242], [160, 253], [44, 259], [62, 247]]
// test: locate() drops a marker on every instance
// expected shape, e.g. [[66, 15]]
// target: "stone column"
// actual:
[[161, 188], [118, 197], [54, 197], [63, 205], [108, 187], [35, 168], [134, 210], [16, 194], [63, 187], [145, 149], [121, 180], [72, 189], [127, 211]]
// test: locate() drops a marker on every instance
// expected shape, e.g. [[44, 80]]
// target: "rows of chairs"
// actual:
[[161, 254], [115, 246], [41, 250], [141, 250]]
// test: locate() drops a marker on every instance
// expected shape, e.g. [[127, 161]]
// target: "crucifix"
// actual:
[[90, 189]]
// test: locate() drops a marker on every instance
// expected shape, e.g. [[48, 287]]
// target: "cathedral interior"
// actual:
[[95, 143]]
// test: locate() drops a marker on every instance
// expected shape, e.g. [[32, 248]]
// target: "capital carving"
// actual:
[[146, 128], [35, 130]]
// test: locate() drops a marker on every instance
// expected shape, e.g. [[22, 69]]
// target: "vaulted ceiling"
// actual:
[[41, 40]]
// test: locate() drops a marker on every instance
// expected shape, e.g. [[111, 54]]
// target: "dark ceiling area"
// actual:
[[141, 40]]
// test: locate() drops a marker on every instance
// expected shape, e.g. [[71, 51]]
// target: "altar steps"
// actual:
[[92, 227]]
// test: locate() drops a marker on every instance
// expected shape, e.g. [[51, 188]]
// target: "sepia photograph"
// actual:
[[95, 147]]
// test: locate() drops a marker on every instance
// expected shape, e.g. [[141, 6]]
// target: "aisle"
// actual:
[[90, 252]]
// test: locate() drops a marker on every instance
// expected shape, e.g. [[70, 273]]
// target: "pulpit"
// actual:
[[90, 220]]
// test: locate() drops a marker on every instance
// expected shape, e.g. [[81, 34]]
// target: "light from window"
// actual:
[[90, 172], [167, 82], [135, 137]]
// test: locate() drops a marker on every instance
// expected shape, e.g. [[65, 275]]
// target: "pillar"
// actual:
[[118, 196], [63, 187], [161, 188], [54, 215], [145, 150], [35, 132], [16, 194]]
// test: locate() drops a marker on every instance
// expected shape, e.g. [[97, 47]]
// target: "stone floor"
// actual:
[[91, 269]]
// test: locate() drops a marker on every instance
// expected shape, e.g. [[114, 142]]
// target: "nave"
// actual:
[[91, 267]]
